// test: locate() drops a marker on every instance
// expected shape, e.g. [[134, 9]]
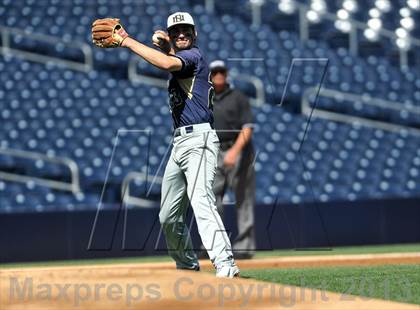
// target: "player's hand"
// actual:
[[231, 158], [161, 40]]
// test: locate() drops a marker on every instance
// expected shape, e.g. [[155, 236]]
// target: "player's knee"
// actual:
[[165, 219], [202, 198], [198, 194]]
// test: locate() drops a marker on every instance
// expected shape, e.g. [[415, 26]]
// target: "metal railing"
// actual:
[[74, 186], [7, 32], [346, 118], [134, 76], [127, 198], [258, 101], [209, 4]]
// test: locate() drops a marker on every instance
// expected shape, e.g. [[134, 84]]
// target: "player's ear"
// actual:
[[194, 32]]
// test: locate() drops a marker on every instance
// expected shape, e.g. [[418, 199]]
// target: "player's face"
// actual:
[[182, 36]]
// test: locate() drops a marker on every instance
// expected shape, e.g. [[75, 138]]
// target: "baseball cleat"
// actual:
[[192, 268], [227, 271]]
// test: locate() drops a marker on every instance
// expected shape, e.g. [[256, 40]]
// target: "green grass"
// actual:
[[391, 282], [260, 254], [369, 249]]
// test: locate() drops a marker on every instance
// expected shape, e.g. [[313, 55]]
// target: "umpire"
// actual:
[[233, 122]]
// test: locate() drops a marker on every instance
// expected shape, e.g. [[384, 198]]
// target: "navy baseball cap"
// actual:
[[217, 65]]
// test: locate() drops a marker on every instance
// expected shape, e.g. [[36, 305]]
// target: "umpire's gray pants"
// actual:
[[189, 177], [241, 179]]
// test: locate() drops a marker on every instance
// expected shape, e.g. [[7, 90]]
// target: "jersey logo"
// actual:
[[178, 18], [175, 99]]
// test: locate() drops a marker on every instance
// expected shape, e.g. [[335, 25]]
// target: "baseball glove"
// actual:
[[108, 33]]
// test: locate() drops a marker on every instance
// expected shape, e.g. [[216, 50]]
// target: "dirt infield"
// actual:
[[157, 285]]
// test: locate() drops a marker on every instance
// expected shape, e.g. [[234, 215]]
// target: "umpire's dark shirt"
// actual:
[[232, 111]]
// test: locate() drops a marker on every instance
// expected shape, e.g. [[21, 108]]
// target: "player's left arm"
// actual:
[[153, 56], [109, 33]]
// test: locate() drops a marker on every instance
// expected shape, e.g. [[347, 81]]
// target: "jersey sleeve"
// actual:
[[189, 58]]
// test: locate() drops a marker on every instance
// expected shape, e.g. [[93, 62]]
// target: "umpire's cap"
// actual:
[[217, 65], [180, 18]]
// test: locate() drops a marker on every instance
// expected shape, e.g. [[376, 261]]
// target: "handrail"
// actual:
[[258, 84], [366, 99], [137, 201], [340, 117], [134, 76], [6, 32], [74, 186]]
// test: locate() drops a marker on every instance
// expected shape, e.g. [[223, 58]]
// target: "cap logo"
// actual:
[[178, 18]]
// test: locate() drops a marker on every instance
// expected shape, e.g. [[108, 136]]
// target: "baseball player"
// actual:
[[191, 168]]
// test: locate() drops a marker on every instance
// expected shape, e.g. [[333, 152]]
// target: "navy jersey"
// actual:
[[190, 90]]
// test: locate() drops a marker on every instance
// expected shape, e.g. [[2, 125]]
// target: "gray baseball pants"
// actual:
[[188, 178]]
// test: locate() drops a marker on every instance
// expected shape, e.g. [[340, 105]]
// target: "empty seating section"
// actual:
[[336, 161], [110, 126], [78, 118], [75, 115], [230, 37], [325, 29]]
